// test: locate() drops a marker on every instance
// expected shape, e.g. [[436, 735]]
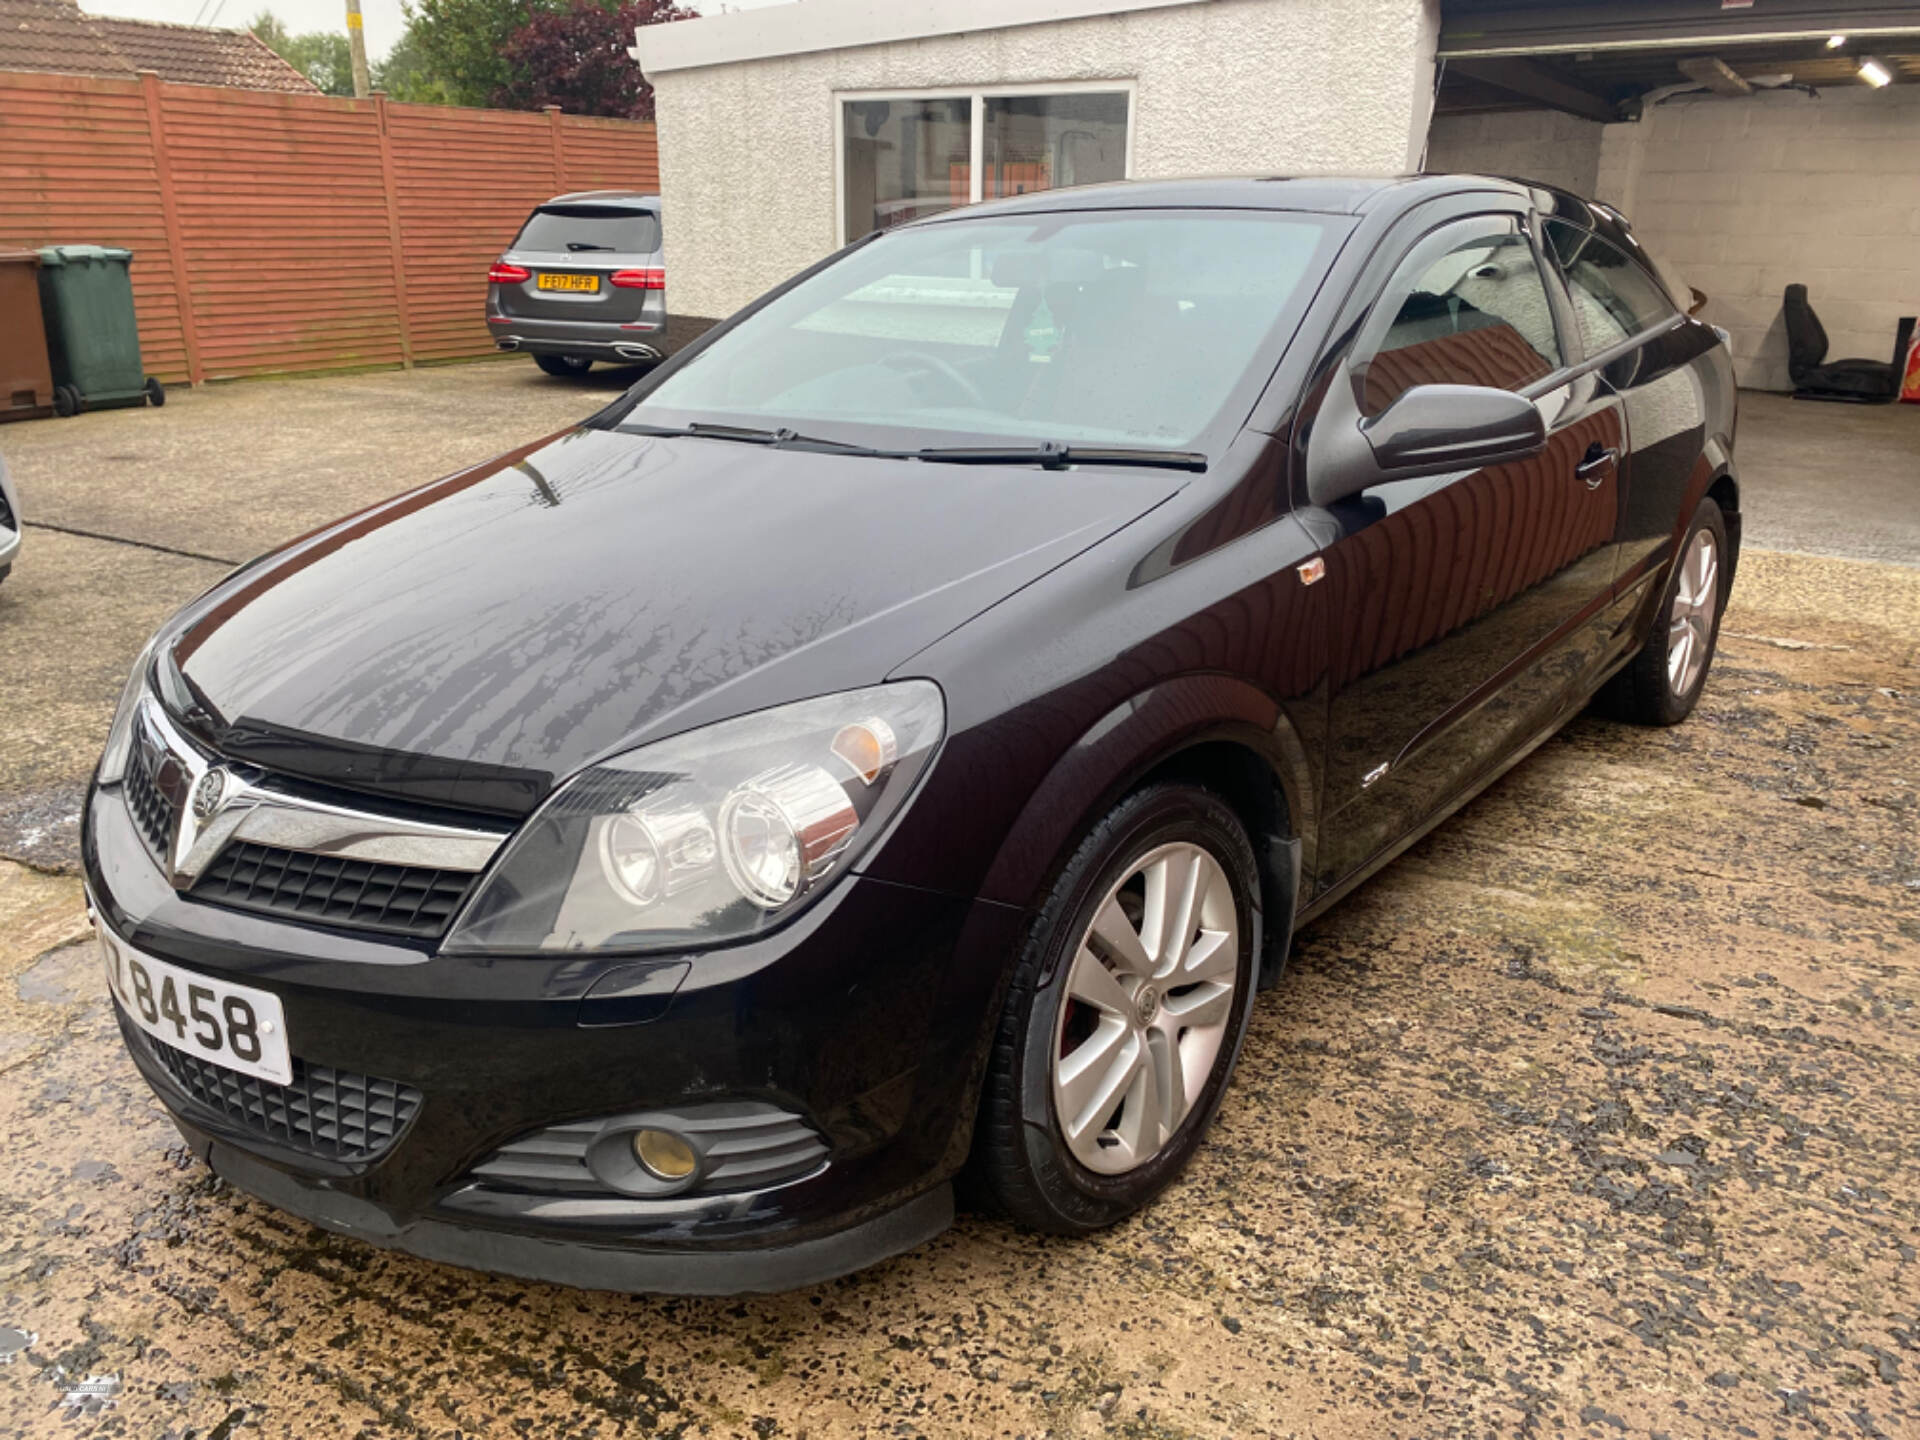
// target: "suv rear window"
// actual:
[[590, 227]]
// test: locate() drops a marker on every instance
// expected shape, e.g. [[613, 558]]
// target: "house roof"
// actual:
[[196, 55], [57, 35]]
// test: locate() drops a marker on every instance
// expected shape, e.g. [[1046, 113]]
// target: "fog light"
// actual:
[[664, 1155]]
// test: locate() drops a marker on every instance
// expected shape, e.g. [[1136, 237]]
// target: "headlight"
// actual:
[[713, 835], [113, 760]]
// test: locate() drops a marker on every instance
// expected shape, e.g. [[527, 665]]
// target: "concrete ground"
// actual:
[[1825, 479], [1592, 1115]]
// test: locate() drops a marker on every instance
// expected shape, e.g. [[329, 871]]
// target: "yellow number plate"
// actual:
[[587, 284]]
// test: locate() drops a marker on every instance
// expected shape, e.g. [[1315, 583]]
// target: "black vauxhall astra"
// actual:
[[893, 742]]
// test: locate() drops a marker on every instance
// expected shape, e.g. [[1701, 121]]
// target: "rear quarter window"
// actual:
[[1613, 295], [587, 229]]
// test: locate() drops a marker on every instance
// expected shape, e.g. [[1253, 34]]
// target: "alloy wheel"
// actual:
[[1145, 1010], [1696, 599]]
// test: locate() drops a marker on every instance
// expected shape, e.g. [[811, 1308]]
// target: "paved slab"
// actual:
[[231, 470], [1824, 479], [1593, 1115], [212, 479]]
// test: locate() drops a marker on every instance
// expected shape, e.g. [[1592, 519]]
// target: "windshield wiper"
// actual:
[[586, 245], [782, 437], [1051, 455]]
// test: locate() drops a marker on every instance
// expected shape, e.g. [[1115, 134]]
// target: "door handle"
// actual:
[[1593, 469]]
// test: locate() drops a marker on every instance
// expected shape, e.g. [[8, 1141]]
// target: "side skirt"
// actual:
[[1335, 894]]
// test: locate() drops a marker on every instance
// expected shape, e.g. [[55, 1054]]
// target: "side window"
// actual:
[[1477, 314], [1613, 297]]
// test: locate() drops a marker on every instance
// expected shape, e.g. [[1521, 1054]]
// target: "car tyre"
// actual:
[[1075, 1175], [1661, 685], [566, 367]]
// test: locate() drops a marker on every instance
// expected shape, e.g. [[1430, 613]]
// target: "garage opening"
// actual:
[[1752, 147]]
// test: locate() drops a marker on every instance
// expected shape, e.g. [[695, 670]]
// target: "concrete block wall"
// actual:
[[1746, 196], [1546, 145]]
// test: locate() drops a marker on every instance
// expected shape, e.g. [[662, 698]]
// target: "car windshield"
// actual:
[[1107, 328]]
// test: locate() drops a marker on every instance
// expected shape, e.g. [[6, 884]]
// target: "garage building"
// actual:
[[1753, 145]]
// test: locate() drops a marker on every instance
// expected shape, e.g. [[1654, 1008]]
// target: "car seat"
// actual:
[[1863, 382]]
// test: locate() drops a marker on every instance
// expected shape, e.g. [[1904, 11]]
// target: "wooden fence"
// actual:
[[292, 232]]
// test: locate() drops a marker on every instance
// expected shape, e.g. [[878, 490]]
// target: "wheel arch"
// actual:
[[1212, 730], [1724, 490]]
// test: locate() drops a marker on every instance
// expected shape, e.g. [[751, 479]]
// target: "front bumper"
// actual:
[[11, 526], [585, 1263], [866, 1019]]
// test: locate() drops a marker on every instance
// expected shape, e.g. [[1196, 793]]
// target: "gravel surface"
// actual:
[[1593, 1115]]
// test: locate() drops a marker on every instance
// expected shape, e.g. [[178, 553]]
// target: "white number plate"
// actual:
[[231, 1025]]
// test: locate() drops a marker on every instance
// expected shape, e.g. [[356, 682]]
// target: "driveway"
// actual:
[[1592, 1115], [132, 513]]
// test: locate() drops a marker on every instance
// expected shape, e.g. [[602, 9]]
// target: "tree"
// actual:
[[405, 74], [577, 59], [321, 55], [461, 43]]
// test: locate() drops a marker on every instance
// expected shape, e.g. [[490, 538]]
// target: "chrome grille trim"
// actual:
[[252, 812]]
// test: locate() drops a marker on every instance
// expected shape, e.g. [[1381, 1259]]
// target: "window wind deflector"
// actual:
[[1054, 456]]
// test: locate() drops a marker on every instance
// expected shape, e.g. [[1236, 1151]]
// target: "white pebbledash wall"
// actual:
[[1748, 196], [1222, 86], [1546, 145], [1745, 197]]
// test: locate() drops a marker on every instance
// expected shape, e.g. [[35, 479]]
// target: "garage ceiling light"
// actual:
[[1875, 72], [1834, 42]]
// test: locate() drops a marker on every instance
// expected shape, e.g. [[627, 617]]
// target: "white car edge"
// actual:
[[11, 524]]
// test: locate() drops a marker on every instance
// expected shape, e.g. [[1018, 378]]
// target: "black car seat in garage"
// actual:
[[1864, 382]]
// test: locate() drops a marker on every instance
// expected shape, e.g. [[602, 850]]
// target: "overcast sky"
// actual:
[[383, 18]]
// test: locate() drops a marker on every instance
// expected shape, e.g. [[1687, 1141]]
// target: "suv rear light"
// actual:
[[501, 273], [652, 278]]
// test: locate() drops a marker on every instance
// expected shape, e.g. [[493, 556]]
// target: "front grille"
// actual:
[[150, 810], [334, 1114], [6, 513], [331, 890]]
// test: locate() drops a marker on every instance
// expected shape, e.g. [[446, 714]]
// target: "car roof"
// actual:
[[1320, 194], [634, 199]]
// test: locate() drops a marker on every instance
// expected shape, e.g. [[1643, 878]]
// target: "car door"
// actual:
[[1463, 608], [1615, 300]]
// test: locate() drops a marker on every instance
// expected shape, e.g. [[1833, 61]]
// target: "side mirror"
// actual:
[[1429, 430], [1453, 427]]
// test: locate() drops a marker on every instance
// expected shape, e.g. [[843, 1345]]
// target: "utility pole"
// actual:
[[357, 45]]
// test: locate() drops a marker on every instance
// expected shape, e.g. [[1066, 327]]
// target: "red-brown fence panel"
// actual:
[[609, 154], [283, 228], [292, 232], [77, 168], [464, 180]]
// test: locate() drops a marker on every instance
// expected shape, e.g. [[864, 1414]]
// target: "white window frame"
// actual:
[[977, 112]]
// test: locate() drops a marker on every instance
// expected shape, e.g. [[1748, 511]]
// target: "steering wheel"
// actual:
[[921, 360]]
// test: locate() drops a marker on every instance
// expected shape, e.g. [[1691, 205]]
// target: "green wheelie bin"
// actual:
[[93, 339]]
